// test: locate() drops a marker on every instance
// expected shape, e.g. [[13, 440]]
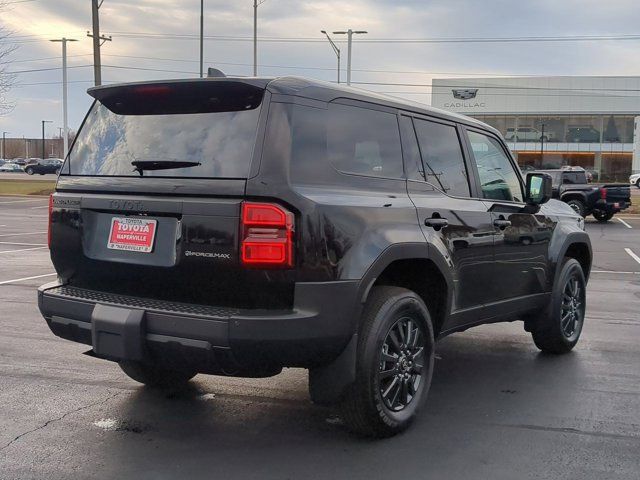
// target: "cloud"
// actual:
[[289, 18]]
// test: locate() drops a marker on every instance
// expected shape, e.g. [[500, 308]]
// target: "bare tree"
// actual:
[[6, 79]]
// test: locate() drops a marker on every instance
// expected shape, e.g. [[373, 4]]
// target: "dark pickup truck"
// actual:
[[601, 201]]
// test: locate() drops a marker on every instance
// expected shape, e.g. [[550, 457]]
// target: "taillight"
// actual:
[[49, 225], [603, 193], [267, 235]]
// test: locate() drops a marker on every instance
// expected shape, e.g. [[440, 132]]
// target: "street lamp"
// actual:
[[4, 146], [201, 38], [64, 95], [335, 49], [43, 122], [349, 34]]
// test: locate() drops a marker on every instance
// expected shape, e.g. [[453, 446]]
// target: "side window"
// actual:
[[442, 157], [498, 178], [364, 141], [412, 162]]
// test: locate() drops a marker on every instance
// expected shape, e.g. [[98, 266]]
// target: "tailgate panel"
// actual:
[[194, 259]]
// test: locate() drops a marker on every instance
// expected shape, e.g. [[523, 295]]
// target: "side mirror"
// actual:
[[538, 189]]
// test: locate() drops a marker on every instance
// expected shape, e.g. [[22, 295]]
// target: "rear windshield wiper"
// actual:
[[142, 165]]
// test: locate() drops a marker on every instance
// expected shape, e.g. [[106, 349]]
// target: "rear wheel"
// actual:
[[155, 376], [394, 363], [602, 216], [638, 183], [29, 171], [559, 329], [577, 206]]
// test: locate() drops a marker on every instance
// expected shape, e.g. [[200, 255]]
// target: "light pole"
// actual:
[[349, 33], [4, 145], [201, 38], [65, 123], [256, 4], [43, 122], [335, 49]]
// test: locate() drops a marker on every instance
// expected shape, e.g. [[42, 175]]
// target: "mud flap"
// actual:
[[117, 333], [328, 384]]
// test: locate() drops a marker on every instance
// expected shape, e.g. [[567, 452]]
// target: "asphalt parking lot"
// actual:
[[498, 409]]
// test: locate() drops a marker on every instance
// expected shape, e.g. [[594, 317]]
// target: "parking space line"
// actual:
[[15, 280], [614, 271], [24, 244], [18, 234], [21, 250], [619, 219], [22, 201], [632, 255]]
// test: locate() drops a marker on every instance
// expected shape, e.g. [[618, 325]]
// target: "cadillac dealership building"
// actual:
[[549, 122]]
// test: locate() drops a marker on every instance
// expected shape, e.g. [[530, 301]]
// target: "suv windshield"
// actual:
[[178, 129]]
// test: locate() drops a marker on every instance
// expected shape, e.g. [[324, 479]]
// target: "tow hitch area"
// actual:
[[116, 333]]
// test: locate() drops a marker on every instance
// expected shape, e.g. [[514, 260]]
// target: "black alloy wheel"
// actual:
[[558, 327], [572, 308], [394, 363], [401, 364]]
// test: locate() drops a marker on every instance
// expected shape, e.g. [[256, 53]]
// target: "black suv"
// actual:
[[236, 226]]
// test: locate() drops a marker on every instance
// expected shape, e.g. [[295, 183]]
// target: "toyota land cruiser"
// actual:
[[235, 226]]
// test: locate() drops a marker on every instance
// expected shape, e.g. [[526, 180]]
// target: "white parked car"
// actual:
[[527, 134], [11, 167], [635, 179]]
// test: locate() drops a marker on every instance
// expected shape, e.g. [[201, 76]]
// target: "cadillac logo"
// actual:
[[465, 94]]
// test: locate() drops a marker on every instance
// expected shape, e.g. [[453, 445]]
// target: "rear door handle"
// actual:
[[501, 223], [436, 223]]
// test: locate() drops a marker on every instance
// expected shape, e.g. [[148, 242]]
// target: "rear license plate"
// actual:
[[132, 234]]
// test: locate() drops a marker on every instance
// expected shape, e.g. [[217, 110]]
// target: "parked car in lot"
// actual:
[[527, 134], [23, 161], [325, 228], [48, 165], [586, 134], [635, 179], [572, 186], [10, 167]]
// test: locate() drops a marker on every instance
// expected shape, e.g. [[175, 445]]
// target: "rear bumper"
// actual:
[[206, 338], [612, 207]]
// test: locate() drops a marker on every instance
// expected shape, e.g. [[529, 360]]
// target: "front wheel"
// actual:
[[638, 183], [155, 376], [394, 363], [558, 329], [577, 206], [602, 216], [29, 171]]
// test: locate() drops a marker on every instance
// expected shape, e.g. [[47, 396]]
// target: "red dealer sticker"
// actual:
[[133, 234]]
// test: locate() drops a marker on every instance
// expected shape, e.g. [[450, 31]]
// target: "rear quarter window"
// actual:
[[362, 141]]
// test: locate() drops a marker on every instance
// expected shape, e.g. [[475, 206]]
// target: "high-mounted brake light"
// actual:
[[267, 235], [49, 224]]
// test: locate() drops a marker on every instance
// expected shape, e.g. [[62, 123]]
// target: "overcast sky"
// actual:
[[33, 22]]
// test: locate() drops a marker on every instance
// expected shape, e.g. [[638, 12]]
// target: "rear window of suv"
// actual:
[[213, 125]]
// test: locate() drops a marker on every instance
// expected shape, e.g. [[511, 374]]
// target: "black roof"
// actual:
[[315, 90]]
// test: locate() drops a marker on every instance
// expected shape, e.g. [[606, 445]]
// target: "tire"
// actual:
[[638, 183], [602, 216], [558, 330], [388, 370], [578, 207], [154, 376], [29, 171]]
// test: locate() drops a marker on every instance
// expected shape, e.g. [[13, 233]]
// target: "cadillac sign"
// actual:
[[464, 94]]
